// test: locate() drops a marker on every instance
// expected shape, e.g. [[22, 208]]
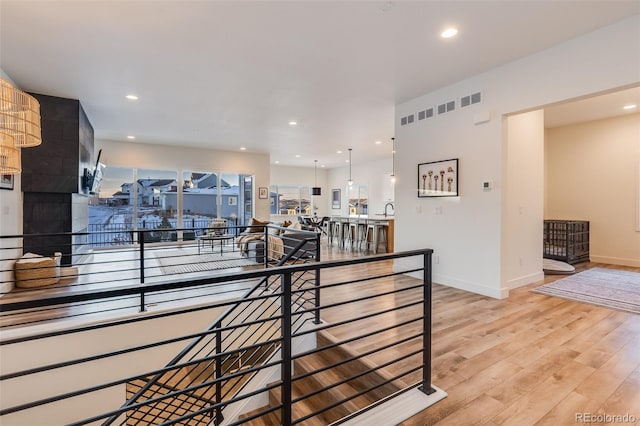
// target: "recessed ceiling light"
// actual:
[[378, 142], [277, 161], [449, 32], [338, 152], [293, 123], [132, 97], [243, 148], [131, 137], [346, 161], [322, 165], [298, 155], [631, 106]]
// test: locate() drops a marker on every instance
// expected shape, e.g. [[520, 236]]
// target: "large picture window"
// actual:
[[163, 202], [290, 200]]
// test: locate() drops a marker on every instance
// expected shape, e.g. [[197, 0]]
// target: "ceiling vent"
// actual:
[[476, 98], [410, 119], [422, 115], [451, 105], [429, 112]]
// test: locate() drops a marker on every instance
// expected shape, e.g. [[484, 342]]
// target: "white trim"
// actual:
[[621, 261], [525, 280], [398, 408]]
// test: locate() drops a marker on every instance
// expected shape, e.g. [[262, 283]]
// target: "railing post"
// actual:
[[141, 240], [317, 284], [218, 411], [286, 350], [265, 250], [426, 327]]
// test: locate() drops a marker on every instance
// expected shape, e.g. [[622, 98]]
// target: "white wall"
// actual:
[[467, 236], [163, 157], [375, 174], [32, 354], [303, 176], [591, 174], [523, 195], [10, 224]]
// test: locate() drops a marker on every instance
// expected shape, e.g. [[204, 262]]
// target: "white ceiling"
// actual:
[[230, 74]]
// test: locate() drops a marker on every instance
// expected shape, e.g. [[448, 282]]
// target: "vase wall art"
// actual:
[[438, 179]]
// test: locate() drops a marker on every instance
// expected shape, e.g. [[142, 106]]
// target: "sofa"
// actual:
[[255, 249], [281, 241]]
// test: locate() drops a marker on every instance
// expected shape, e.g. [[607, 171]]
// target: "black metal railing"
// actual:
[[111, 234], [66, 265], [258, 344], [374, 338]]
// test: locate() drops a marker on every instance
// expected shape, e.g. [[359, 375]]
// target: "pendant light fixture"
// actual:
[[350, 182], [315, 190], [19, 126], [393, 160]]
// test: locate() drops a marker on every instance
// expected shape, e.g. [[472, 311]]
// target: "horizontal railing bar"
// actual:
[[354, 358], [360, 299], [338, 323], [141, 347], [119, 322], [151, 288], [353, 377], [350, 340], [124, 409], [340, 402]]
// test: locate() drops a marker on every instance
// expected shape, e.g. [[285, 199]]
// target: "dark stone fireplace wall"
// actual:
[[55, 198]]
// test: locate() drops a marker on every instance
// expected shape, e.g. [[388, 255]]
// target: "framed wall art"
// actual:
[[6, 182], [438, 179], [263, 193], [335, 199]]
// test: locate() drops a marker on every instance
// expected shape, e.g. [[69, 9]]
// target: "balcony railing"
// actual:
[[374, 338]]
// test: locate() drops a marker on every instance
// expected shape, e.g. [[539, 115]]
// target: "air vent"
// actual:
[[451, 105], [476, 98], [403, 121], [429, 112], [422, 115], [465, 101], [442, 108], [410, 119]]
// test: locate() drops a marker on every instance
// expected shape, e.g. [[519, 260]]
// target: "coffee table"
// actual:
[[203, 239]]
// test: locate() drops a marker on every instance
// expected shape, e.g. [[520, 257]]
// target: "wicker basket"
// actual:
[[33, 270]]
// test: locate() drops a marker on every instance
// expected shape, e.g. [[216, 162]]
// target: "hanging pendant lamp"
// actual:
[[350, 182], [393, 160], [316, 190]]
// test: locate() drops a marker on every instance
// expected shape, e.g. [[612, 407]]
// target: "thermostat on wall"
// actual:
[[487, 185]]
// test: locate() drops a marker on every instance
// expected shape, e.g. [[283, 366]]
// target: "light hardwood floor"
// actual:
[[529, 359]]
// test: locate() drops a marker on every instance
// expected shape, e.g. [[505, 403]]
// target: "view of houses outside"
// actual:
[[151, 197], [290, 200]]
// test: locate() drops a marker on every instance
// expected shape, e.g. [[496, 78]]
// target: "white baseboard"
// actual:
[[404, 264], [398, 408], [525, 280], [620, 261]]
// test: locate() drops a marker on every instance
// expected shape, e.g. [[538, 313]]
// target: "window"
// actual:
[[290, 200], [358, 199]]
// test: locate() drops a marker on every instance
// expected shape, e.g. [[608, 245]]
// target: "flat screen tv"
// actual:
[[98, 175]]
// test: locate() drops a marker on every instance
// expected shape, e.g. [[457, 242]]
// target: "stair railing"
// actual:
[[215, 357]]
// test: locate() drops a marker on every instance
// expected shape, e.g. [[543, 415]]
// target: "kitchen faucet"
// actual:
[[387, 205]]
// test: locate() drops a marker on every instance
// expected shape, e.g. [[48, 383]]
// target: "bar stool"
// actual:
[[342, 225], [376, 234], [356, 232]]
